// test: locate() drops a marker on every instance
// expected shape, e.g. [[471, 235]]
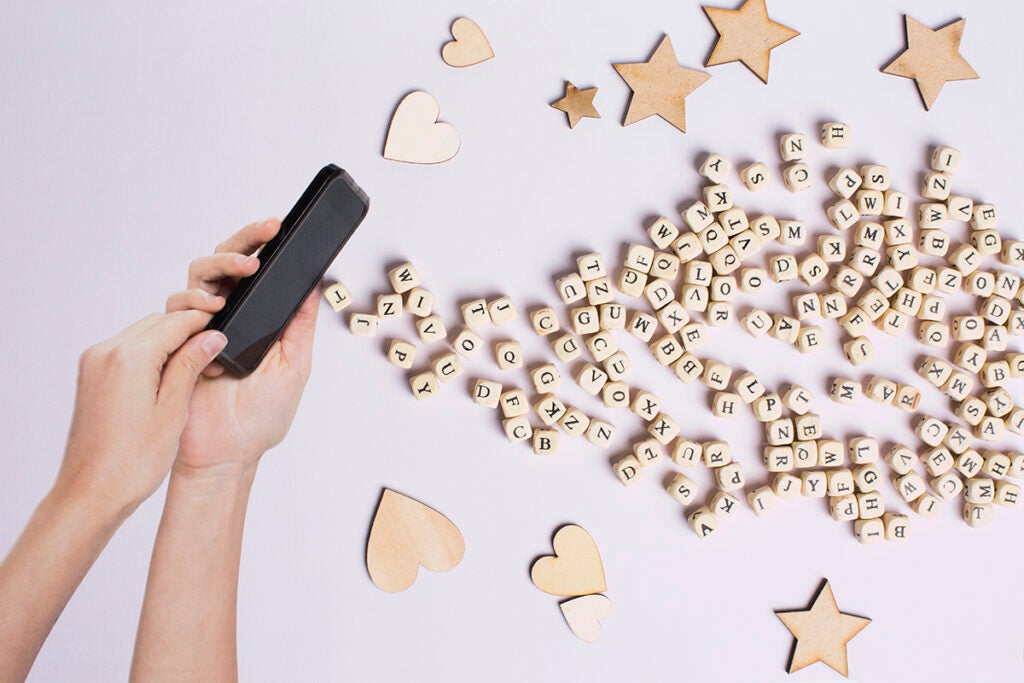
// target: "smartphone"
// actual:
[[291, 266]]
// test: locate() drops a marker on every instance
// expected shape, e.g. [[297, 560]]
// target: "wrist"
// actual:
[[214, 478], [97, 507]]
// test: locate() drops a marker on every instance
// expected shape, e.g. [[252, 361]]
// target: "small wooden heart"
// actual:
[[584, 615], [406, 534], [468, 46], [415, 135], [574, 569]]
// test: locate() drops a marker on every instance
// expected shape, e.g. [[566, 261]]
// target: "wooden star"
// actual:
[[821, 632], [746, 35], [577, 104], [932, 58], [660, 86]]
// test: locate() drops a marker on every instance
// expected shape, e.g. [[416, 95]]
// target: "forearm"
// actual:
[[44, 568], [187, 628]]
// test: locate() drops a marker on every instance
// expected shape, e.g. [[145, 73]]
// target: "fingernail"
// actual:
[[214, 343], [240, 259], [268, 222], [210, 297]]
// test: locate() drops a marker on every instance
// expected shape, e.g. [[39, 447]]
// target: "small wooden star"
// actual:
[[746, 35], [660, 86], [932, 58], [821, 632], [577, 104]]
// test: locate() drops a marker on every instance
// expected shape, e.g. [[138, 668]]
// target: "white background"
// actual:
[[137, 135]]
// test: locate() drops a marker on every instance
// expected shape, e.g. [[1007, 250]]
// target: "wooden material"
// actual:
[[416, 136], [746, 35], [821, 632], [405, 535], [584, 615], [468, 45], [660, 86], [575, 568], [338, 296], [932, 58], [577, 104], [401, 353]]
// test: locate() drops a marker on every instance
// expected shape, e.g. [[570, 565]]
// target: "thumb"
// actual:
[[183, 369]]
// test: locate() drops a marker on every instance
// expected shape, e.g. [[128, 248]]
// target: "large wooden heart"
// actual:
[[406, 534], [415, 135], [574, 569], [468, 46]]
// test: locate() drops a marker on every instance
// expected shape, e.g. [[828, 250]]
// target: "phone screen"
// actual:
[[291, 265]]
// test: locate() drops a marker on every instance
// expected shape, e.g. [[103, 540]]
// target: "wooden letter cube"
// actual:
[[431, 329], [545, 441], [363, 324], [792, 146], [418, 302], [514, 403], [683, 489], [424, 385], [502, 311], [628, 470], [338, 297], [835, 135], [600, 433], [403, 278], [401, 353], [755, 176], [447, 367], [509, 355], [486, 393]]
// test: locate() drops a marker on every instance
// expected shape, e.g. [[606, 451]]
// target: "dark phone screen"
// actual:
[[290, 272]]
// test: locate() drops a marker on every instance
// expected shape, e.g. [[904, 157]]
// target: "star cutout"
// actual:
[[746, 35], [932, 58], [577, 104], [821, 632], [660, 86]]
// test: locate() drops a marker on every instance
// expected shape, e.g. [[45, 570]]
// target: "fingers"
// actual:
[[184, 367], [250, 238], [207, 272], [170, 332], [194, 299], [129, 333], [297, 339]]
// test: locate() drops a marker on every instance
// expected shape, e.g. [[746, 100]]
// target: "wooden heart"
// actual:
[[584, 615], [415, 135], [574, 569], [406, 534], [468, 46]]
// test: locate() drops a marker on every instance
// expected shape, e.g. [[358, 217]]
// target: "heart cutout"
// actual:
[[468, 46], [406, 534], [415, 136], [584, 615], [574, 569]]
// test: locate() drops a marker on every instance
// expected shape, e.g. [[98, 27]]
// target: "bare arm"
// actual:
[[130, 409], [187, 628]]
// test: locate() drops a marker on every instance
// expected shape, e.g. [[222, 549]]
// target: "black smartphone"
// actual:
[[291, 265]]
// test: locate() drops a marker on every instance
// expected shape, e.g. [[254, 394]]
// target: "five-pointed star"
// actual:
[[821, 632], [932, 58], [746, 35], [577, 104], [660, 86]]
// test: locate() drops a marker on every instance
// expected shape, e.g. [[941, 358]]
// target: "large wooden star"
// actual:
[[821, 632], [660, 86], [577, 104], [746, 35], [932, 58]]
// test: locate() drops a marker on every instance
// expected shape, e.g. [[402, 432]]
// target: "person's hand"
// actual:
[[131, 406], [233, 421]]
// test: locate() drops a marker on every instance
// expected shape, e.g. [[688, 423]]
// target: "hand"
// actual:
[[233, 421], [131, 406]]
